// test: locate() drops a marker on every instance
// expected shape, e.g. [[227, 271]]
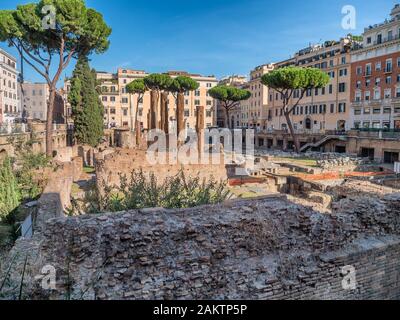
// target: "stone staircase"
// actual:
[[322, 142]]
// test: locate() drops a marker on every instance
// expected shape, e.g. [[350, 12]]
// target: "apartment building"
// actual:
[[375, 76], [255, 110], [237, 81], [321, 109], [120, 107], [34, 102], [9, 102]]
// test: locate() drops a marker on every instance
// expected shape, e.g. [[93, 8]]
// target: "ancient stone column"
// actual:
[[180, 107], [153, 109], [164, 125], [200, 129]]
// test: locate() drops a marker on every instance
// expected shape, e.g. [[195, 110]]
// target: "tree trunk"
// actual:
[[164, 112], [49, 123], [228, 121], [292, 133], [180, 105]]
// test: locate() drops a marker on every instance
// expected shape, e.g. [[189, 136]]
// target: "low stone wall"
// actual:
[[124, 161], [257, 249], [56, 197]]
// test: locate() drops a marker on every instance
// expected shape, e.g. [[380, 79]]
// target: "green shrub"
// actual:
[[10, 195], [144, 191]]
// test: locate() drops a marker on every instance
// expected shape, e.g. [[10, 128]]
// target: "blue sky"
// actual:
[[217, 37]]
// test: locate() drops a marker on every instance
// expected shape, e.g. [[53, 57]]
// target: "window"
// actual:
[[104, 99], [377, 94], [343, 60], [112, 111], [358, 84], [387, 110], [197, 93], [186, 113], [358, 96], [367, 110], [357, 112], [386, 125], [390, 35], [369, 40], [112, 99], [376, 125], [366, 124], [125, 100], [196, 102], [379, 39], [125, 112], [398, 92], [342, 87], [342, 108], [388, 65], [368, 69], [367, 95], [376, 111], [378, 66], [388, 93], [367, 82], [209, 102], [208, 114], [388, 80], [377, 81], [359, 71], [342, 72]]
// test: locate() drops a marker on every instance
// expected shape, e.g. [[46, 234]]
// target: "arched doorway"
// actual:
[[308, 124]]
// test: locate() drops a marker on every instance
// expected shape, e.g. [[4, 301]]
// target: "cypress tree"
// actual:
[[87, 109]]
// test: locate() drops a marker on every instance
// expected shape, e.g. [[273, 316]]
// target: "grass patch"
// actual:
[[300, 161], [89, 170]]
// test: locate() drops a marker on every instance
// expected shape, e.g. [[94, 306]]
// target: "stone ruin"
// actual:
[[268, 248]]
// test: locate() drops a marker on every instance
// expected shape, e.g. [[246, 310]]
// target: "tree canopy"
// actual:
[[182, 84], [286, 81], [229, 95], [136, 87], [292, 78], [158, 81], [78, 30], [50, 33]]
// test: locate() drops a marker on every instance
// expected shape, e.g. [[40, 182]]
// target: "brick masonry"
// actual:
[[124, 161], [267, 248]]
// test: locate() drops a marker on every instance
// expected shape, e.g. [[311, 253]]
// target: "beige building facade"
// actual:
[[237, 81], [120, 107], [255, 110], [321, 109]]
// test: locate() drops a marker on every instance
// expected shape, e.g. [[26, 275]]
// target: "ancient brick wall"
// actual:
[[268, 248], [124, 161]]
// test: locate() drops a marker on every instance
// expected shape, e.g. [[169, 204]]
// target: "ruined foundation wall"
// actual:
[[255, 249], [124, 161]]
